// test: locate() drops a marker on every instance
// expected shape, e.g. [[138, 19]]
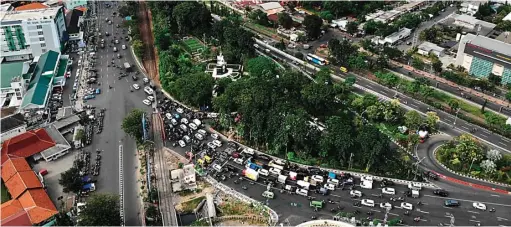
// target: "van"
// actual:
[[263, 172], [368, 202], [317, 178], [415, 186], [275, 171], [451, 203], [330, 187], [415, 194], [268, 194], [355, 193], [333, 181], [302, 192], [366, 184]]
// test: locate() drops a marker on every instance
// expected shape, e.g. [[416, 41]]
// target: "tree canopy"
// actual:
[[132, 124], [101, 210], [312, 24]]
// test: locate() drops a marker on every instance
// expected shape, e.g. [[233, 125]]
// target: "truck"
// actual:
[[303, 184], [127, 66], [253, 166], [251, 174], [275, 165]]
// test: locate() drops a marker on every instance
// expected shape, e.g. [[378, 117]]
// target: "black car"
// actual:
[[431, 175], [385, 183], [441, 192]]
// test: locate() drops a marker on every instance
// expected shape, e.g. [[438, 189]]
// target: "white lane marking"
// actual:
[[448, 207], [369, 86], [425, 212], [503, 144], [379, 211], [485, 132], [473, 212], [411, 104], [474, 221], [495, 195], [483, 135], [393, 214], [502, 219], [506, 139], [466, 200], [465, 127]]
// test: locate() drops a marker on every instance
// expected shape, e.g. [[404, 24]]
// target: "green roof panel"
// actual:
[[41, 84], [9, 71]]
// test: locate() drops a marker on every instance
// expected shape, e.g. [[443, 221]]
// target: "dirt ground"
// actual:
[[149, 59]]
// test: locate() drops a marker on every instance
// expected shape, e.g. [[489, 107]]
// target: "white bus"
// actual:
[[316, 59]]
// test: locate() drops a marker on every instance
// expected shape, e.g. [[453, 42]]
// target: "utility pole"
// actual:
[[455, 118], [387, 210], [471, 164], [350, 163]]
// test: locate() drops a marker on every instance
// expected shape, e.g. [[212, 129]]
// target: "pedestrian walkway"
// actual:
[[445, 81], [478, 186]]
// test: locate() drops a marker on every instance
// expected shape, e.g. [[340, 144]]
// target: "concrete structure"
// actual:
[[393, 38], [74, 21], [384, 16], [469, 8], [481, 56], [271, 8], [221, 69], [325, 223], [12, 126], [507, 17], [14, 81], [30, 204], [30, 33], [427, 48], [341, 24], [183, 179], [472, 23]]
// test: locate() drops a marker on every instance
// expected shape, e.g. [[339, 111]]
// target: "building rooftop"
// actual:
[[26, 144], [60, 142], [10, 70], [403, 32], [13, 214], [35, 14], [73, 25], [270, 5], [472, 20], [504, 37], [11, 122], [38, 205], [41, 83], [13, 166], [22, 181], [507, 17], [491, 44], [428, 46], [32, 6]]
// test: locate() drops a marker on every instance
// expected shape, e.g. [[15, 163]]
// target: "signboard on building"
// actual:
[[488, 55]]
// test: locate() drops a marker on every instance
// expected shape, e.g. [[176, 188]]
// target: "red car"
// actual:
[[235, 155], [68, 74]]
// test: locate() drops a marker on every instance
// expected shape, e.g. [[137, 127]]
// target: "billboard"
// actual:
[[488, 55]]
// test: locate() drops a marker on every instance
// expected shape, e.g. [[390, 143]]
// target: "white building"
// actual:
[[469, 8], [384, 16], [471, 22], [13, 83], [341, 24], [30, 33], [271, 8], [426, 48], [396, 36], [507, 17]]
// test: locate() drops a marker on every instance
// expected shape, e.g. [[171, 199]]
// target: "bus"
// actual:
[[316, 204], [317, 60]]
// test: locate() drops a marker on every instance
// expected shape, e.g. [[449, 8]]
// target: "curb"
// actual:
[[397, 181], [139, 65], [470, 177]]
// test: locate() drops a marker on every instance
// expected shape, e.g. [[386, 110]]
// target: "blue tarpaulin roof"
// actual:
[[128, 18], [332, 175]]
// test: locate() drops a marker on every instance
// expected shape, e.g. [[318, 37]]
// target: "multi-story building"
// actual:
[[13, 83], [72, 4], [30, 33], [482, 56]]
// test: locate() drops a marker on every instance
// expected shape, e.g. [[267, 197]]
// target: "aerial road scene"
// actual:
[[255, 113]]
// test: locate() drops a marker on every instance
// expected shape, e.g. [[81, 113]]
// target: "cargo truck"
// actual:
[[127, 67], [251, 174], [282, 179]]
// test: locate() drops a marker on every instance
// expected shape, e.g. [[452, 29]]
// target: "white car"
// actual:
[[214, 136], [182, 143], [407, 206], [150, 98], [192, 126], [148, 90], [136, 86], [116, 41], [183, 127], [388, 191], [238, 161], [202, 131], [217, 143], [263, 172], [197, 122], [146, 80], [330, 187], [199, 136], [356, 193], [385, 205], [187, 139], [333, 181], [173, 121], [184, 121], [479, 206], [275, 171], [147, 102], [124, 47], [180, 110], [249, 151], [211, 145], [368, 202], [169, 116]]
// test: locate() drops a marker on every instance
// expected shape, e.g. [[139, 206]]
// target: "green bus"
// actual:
[[316, 204]]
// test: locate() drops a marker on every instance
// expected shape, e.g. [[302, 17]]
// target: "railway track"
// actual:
[[166, 204]]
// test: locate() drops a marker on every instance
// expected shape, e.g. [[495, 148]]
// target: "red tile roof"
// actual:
[[22, 181], [273, 17], [38, 205], [18, 219], [12, 166], [26, 144], [31, 6], [10, 208]]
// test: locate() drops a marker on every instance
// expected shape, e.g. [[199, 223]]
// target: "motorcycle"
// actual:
[[244, 187], [417, 219]]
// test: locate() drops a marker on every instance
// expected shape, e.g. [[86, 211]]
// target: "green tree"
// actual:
[[195, 89], [138, 48], [63, 219], [432, 120], [375, 151], [494, 79], [132, 124], [312, 24], [281, 45], [71, 180], [323, 75], [417, 63], [285, 20], [191, 17], [437, 66], [357, 61], [259, 17], [101, 210], [508, 96], [454, 104], [413, 120], [341, 51], [261, 67], [336, 143], [352, 27], [392, 53]]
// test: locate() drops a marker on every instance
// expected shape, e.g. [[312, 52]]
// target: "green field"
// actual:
[[5, 194], [193, 45]]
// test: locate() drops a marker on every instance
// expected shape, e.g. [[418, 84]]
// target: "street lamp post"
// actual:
[[351, 156], [470, 168], [455, 118]]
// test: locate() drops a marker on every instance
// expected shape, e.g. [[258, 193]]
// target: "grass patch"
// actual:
[[237, 208], [193, 44], [190, 205], [262, 29], [5, 194]]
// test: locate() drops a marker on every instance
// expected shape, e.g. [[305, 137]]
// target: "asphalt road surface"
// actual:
[[449, 124], [118, 101]]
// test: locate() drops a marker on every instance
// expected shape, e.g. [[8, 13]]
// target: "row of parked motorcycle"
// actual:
[[100, 120], [95, 168]]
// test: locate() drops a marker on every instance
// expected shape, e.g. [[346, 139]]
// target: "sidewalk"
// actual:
[[452, 84], [478, 186]]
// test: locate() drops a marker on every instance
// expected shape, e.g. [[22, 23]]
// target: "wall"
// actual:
[[13, 132]]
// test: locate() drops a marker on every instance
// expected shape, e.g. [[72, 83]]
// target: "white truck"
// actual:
[[282, 179]]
